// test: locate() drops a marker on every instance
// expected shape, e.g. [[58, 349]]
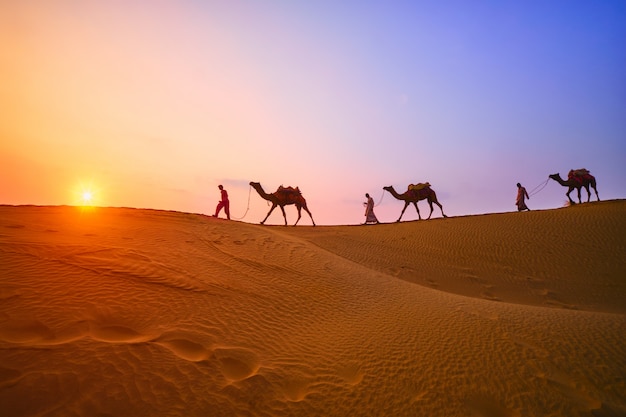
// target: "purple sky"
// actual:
[[153, 104]]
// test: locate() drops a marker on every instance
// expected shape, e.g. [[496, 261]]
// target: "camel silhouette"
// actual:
[[284, 196], [572, 183], [413, 196]]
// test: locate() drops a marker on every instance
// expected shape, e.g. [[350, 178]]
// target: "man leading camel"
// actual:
[[224, 203], [521, 196], [370, 217]]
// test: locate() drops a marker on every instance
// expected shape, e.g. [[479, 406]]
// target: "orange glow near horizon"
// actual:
[[86, 195], [180, 97]]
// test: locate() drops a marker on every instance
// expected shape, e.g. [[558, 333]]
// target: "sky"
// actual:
[[153, 104]]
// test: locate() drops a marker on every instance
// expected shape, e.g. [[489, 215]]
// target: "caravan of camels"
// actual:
[[284, 196]]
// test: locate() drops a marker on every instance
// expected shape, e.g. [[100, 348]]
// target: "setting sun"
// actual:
[[86, 194], [87, 197]]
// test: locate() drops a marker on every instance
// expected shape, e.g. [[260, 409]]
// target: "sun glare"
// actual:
[[86, 195]]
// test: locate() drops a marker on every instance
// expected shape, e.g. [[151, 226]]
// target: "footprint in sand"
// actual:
[[33, 332], [183, 347], [352, 373], [552, 299], [488, 295], [535, 283], [296, 389], [236, 363], [117, 334], [25, 331], [432, 283]]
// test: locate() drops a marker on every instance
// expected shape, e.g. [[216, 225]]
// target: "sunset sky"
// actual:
[[153, 104]]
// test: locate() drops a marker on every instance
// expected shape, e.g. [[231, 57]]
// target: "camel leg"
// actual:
[[430, 204], [597, 196], [406, 204], [570, 198], [579, 200], [284, 215], [310, 215], [419, 216], [268, 213], [299, 214], [441, 207]]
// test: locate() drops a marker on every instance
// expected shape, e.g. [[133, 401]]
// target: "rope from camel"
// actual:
[[537, 189], [247, 208], [381, 199]]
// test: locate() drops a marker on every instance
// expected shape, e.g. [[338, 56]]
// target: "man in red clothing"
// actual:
[[224, 203]]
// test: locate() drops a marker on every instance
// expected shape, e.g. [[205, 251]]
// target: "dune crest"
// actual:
[[128, 312]]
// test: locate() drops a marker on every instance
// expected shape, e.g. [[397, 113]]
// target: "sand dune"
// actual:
[[125, 312]]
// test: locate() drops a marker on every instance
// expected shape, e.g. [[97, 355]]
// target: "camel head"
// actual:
[[555, 176], [388, 188], [257, 186]]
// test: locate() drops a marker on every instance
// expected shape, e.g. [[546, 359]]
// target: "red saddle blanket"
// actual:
[[579, 175]]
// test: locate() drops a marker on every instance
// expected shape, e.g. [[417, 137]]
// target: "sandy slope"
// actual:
[[122, 312]]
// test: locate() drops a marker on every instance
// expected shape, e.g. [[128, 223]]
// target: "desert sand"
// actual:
[[128, 312]]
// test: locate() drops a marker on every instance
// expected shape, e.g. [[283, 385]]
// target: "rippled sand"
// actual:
[[126, 312]]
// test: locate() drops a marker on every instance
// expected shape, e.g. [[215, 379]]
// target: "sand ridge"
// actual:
[[567, 257], [142, 312]]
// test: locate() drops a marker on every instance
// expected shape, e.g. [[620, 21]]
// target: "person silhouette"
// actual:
[[521, 196], [224, 203], [370, 217]]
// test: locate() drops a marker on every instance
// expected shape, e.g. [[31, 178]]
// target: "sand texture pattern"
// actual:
[[128, 312]]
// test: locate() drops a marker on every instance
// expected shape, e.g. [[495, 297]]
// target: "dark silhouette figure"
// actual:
[[577, 179], [224, 203], [522, 195], [284, 196], [370, 217], [415, 194]]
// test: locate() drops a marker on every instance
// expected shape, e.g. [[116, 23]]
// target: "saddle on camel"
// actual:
[[579, 175], [289, 193], [419, 189]]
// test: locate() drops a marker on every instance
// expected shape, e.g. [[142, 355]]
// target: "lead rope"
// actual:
[[381, 199], [247, 208], [537, 188]]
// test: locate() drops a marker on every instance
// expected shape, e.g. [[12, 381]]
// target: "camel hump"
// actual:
[[289, 190], [418, 186], [581, 172]]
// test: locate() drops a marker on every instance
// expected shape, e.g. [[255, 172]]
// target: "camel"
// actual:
[[283, 197], [414, 196], [572, 183]]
